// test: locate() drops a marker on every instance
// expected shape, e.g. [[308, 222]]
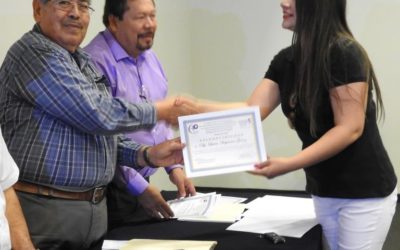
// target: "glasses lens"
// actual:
[[65, 5]]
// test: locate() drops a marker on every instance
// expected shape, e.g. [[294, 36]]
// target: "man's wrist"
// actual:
[[139, 161], [171, 169], [146, 158], [160, 110]]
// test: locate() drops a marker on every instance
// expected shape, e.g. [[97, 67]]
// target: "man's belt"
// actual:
[[94, 195]]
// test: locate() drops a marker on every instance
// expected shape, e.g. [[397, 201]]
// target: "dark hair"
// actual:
[[320, 24], [115, 8]]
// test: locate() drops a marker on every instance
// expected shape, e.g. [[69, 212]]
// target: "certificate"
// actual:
[[222, 142], [194, 206]]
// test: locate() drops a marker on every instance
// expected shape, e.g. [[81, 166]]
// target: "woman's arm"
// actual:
[[266, 95], [348, 104]]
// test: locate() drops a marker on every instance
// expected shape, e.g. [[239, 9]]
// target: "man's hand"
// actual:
[[164, 154], [171, 108], [184, 184], [154, 204]]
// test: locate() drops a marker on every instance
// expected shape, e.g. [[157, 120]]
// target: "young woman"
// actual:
[[324, 82]]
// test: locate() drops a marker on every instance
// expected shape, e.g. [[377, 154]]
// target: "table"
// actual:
[[227, 240]]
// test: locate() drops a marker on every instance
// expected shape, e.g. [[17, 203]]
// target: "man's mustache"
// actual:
[[73, 23], [147, 34]]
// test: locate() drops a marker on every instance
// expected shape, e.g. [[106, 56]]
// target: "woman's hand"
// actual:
[[273, 167]]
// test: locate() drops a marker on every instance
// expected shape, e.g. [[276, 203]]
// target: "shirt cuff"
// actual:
[[169, 169], [136, 183]]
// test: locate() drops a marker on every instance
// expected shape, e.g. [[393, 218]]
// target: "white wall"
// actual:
[[220, 50]]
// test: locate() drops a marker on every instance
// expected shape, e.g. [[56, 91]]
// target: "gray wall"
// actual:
[[220, 49]]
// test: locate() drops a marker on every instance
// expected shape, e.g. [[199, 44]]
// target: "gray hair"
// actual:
[[46, 1]]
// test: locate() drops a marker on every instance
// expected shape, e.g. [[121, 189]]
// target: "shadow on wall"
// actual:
[[382, 41], [219, 43]]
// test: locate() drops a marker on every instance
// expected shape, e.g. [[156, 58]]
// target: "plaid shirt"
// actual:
[[59, 122]]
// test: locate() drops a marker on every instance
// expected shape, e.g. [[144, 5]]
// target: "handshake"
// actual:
[[171, 108], [168, 152]]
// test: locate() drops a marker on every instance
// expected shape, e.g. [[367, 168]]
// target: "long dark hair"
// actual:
[[319, 24]]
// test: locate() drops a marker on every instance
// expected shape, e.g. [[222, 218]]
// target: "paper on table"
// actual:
[[231, 200], [287, 216], [227, 199], [223, 213], [290, 228], [147, 244], [113, 244], [281, 207], [209, 207], [198, 205]]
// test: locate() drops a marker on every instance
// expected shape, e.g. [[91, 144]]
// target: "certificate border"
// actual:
[[253, 112]]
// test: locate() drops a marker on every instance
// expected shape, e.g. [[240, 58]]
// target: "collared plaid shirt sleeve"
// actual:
[[59, 121], [127, 150]]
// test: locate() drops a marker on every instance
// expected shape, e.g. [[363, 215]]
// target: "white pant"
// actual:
[[355, 224]]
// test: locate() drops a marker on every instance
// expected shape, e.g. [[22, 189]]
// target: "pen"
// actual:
[[273, 237]]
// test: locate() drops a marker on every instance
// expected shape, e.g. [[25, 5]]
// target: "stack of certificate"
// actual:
[[210, 207]]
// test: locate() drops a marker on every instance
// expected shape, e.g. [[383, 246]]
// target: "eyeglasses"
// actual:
[[65, 5]]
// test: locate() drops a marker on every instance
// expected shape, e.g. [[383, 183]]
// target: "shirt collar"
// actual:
[[82, 57], [118, 52]]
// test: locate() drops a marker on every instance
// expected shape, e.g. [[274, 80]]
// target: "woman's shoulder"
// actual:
[[281, 66], [348, 61], [285, 53], [346, 45], [283, 57]]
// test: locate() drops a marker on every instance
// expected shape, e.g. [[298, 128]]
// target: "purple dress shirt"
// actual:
[[136, 80]]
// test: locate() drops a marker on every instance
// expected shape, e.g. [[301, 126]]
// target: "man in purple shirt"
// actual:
[[123, 53]]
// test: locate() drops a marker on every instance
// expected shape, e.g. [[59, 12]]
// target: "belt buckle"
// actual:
[[98, 194]]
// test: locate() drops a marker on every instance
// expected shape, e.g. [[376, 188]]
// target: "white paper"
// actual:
[[222, 213], [198, 205], [153, 244], [210, 207], [289, 216], [113, 244], [222, 142], [231, 200]]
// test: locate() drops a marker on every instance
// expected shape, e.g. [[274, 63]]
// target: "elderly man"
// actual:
[[62, 128], [123, 53]]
